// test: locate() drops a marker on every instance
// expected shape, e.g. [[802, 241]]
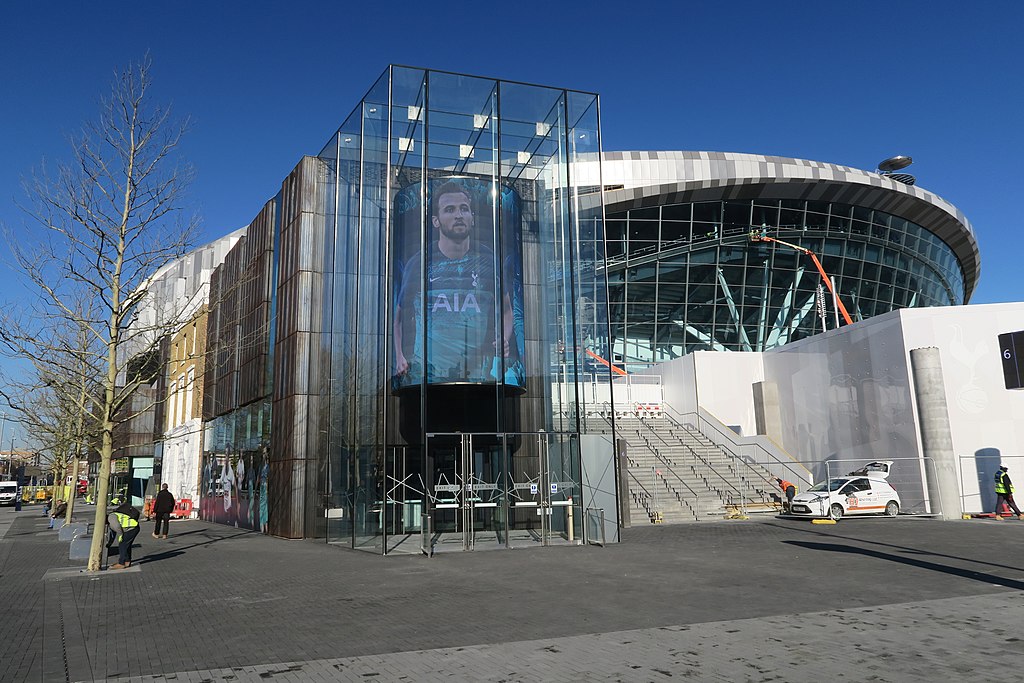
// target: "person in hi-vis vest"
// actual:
[[1004, 493], [128, 519]]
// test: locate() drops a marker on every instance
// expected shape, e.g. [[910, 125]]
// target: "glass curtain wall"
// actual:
[[235, 477], [463, 299], [687, 277]]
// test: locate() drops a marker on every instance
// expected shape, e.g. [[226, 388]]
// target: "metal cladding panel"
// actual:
[[290, 421], [302, 231], [254, 320], [225, 349], [287, 487], [309, 242], [299, 323], [300, 303], [212, 338], [137, 424], [251, 380], [239, 323], [711, 176], [292, 367]]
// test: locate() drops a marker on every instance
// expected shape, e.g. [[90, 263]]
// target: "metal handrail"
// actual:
[[650, 496], [664, 460], [726, 434], [656, 475], [696, 496], [661, 458], [696, 456], [763, 478]]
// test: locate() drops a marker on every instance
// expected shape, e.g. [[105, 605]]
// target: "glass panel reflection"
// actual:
[[459, 193], [752, 295]]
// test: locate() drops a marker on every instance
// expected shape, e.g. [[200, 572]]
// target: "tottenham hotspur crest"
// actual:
[[476, 279]]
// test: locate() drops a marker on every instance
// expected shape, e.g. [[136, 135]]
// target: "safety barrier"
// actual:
[[977, 492], [182, 509]]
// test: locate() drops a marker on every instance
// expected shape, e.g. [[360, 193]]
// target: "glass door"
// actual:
[[401, 506], [503, 490], [467, 496], [544, 491]]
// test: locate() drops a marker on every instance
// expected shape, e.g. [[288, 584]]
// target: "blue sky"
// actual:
[[266, 82]]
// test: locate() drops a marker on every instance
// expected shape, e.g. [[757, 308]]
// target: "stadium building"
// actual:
[[684, 274], [463, 325]]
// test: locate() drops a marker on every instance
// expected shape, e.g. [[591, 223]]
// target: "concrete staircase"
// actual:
[[676, 474]]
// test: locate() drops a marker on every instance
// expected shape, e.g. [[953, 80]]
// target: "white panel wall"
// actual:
[[986, 419], [678, 383], [847, 396], [725, 387]]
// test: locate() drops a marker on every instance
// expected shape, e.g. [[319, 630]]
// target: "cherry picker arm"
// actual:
[[615, 369], [760, 236]]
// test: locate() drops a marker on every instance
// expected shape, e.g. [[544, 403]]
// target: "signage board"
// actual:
[[1011, 352]]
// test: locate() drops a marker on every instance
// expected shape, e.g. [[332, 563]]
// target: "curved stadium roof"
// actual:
[[639, 179]]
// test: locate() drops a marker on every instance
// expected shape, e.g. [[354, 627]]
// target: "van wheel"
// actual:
[[836, 512], [892, 508]]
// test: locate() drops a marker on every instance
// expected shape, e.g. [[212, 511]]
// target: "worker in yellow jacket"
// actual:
[[1004, 493], [128, 519]]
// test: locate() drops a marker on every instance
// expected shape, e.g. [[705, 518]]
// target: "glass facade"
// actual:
[[463, 304], [235, 478], [687, 277]]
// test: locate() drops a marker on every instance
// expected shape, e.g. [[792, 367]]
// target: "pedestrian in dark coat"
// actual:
[[59, 510], [163, 506]]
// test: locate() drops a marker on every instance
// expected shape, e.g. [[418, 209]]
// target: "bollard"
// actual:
[[80, 547], [68, 532]]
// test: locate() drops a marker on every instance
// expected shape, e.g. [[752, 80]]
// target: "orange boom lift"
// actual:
[[616, 370], [760, 236]]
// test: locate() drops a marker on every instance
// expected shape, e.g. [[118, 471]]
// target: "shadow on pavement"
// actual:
[[179, 550], [922, 564], [166, 555], [901, 548]]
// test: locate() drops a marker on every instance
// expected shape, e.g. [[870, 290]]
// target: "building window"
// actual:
[[190, 384], [172, 392]]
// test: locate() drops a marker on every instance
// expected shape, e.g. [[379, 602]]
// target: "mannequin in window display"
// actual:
[[227, 482], [206, 502], [264, 493], [240, 501], [250, 487], [459, 301]]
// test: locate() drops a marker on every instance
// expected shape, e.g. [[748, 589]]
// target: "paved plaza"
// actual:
[[759, 600]]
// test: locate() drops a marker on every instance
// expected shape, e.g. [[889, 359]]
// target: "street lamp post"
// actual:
[[3, 424]]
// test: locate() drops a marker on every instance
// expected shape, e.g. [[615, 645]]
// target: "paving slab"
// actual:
[[933, 640], [712, 601]]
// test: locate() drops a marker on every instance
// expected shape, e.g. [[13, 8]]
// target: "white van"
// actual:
[[8, 492]]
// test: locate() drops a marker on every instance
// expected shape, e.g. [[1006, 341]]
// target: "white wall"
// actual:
[[725, 386], [678, 384], [180, 466], [847, 396], [986, 419]]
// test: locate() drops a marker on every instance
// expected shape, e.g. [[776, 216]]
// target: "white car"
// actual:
[[850, 495], [8, 492]]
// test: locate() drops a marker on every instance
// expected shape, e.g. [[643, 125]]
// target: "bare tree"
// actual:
[[53, 404], [106, 222]]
